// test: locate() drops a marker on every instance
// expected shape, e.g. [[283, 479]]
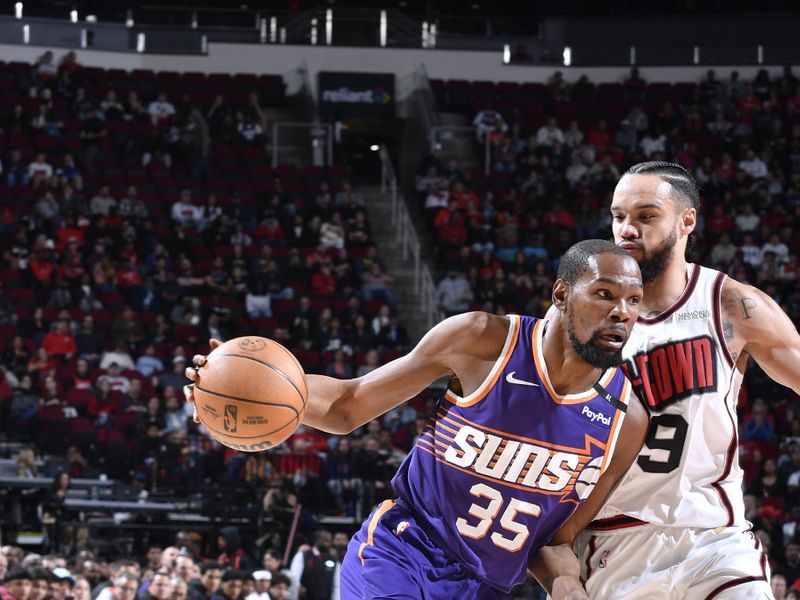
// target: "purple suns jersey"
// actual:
[[495, 474]]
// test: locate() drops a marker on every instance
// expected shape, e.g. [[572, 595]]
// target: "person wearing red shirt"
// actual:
[[104, 403], [128, 275], [463, 196], [749, 102], [558, 217], [324, 282], [719, 222], [69, 232], [453, 233], [60, 342], [599, 137]]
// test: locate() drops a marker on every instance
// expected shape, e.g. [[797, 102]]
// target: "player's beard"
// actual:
[[654, 263], [590, 353]]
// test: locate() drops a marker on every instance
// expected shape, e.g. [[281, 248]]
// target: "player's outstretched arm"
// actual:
[[753, 323], [456, 346], [451, 348], [555, 566]]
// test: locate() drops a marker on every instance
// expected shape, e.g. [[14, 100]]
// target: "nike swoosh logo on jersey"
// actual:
[[511, 379]]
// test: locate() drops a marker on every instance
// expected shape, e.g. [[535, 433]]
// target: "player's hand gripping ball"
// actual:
[[250, 394]]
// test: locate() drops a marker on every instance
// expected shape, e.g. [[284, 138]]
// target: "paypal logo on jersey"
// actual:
[[595, 416]]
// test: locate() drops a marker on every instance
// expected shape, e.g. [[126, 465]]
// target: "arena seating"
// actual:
[[157, 228]]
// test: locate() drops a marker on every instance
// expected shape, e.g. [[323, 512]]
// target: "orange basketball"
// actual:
[[251, 393]]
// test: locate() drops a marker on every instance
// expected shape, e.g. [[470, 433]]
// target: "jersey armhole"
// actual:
[[497, 368], [717, 308]]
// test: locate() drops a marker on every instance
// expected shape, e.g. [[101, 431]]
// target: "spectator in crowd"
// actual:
[[39, 171], [454, 292], [17, 583], [60, 342], [103, 203], [158, 588], [161, 110], [210, 577], [231, 585], [186, 213], [549, 134], [232, 553], [314, 569], [753, 166], [263, 579], [279, 589]]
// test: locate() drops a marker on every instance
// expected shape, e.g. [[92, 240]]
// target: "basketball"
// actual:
[[251, 394]]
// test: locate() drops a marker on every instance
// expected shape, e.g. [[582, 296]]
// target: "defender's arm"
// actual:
[[754, 324]]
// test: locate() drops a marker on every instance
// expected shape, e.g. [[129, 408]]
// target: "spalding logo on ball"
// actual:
[[258, 388], [252, 344]]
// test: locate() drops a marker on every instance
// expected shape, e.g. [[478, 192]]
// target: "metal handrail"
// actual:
[[307, 125], [487, 145], [406, 236]]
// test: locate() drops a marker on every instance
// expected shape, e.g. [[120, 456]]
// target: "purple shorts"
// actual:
[[392, 557]]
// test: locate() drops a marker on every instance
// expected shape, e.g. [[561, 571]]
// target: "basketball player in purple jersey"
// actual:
[[675, 527], [533, 431]]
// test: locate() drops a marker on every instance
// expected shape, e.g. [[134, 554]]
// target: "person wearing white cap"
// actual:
[[263, 581], [61, 584]]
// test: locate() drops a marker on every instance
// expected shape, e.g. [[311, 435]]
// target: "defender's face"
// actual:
[[646, 222], [603, 307]]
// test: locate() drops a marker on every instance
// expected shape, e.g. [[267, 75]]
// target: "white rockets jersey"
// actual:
[[687, 474]]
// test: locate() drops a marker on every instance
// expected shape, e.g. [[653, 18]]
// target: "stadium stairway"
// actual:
[[463, 147], [379, 211], [294, 144]]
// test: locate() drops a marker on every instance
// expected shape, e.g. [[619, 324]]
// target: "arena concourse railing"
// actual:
[[321, 135], [406, 236]]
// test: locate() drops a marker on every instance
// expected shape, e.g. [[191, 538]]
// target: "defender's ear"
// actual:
[[688, 221]]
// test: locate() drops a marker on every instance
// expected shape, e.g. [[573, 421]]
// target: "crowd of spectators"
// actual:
[[139, 218], [179, 572], [558, 150]]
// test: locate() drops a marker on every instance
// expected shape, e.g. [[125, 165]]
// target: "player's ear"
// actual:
[[688, 221], [560, 293]]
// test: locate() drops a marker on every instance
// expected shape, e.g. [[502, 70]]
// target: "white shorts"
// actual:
[[649, 562]]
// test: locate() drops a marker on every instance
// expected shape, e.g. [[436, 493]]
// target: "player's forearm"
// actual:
[[339, 406], [326, 407], [556, 568]]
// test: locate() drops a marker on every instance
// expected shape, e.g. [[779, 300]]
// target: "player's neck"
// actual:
[[664, 291], [568, 373]]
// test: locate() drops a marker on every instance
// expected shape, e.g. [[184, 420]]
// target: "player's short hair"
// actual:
[[576, 260], [280, 578], [683, 184]]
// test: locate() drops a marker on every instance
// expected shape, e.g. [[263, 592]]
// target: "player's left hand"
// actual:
[[191, 373]]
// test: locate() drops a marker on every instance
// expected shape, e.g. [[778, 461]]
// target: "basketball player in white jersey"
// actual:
[[675, 526]]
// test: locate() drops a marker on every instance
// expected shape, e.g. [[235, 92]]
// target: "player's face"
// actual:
[[603, 305], [648, 223]]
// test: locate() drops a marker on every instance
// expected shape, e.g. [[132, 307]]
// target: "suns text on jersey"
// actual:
[[673, 371], [513, 461]]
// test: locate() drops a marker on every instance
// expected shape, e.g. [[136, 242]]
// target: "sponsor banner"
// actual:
[[348, 95]]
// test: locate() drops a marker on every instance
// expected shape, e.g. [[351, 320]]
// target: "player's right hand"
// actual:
[[191, 373]]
